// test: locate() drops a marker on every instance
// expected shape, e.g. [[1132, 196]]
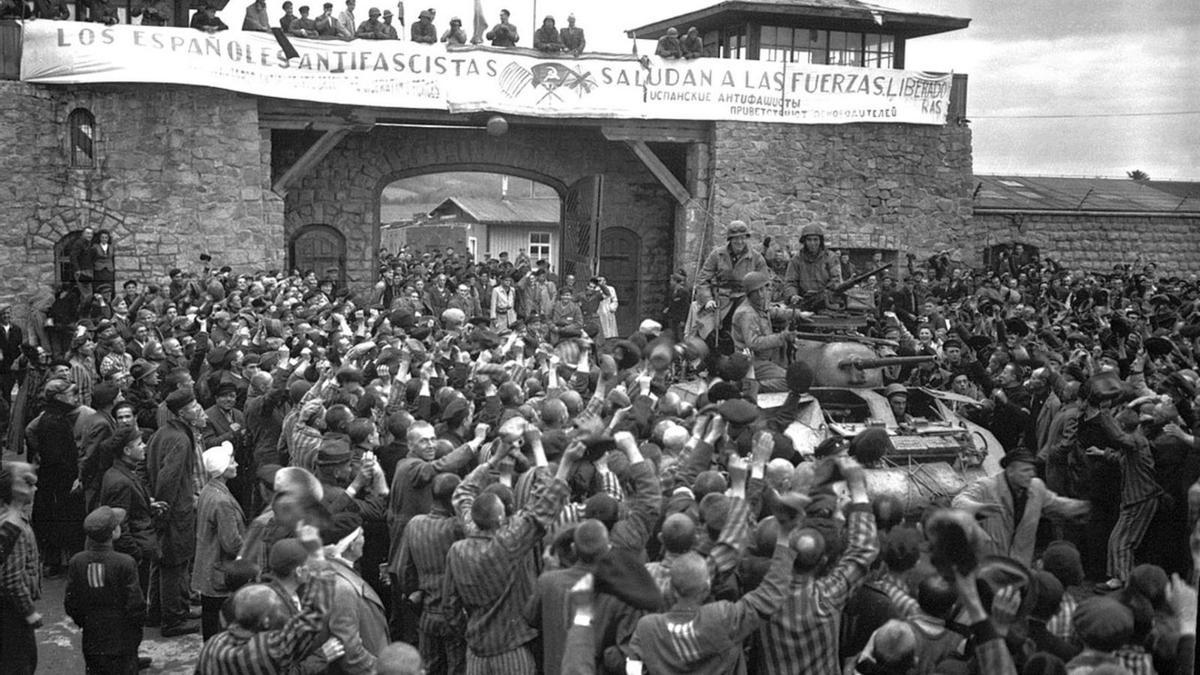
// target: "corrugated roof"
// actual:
[[1084, 194], [488, 210]]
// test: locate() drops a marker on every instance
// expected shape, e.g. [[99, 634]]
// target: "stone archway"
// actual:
[[344, 189]]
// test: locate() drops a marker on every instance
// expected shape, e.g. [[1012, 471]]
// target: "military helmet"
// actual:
[[812, 230], [754, 281]]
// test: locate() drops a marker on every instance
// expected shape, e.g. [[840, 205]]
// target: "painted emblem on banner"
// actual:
[[551, 79]]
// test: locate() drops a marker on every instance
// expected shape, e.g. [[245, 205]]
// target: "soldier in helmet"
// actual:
[[719, 283], [752, 333], [897, 396], [814, 270]]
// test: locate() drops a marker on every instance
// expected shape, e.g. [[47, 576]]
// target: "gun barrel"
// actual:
[[884, 362], [859, 278]]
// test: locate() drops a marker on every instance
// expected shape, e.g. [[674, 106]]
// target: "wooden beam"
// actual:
[[661, 132], [328, 141], [660, 171]]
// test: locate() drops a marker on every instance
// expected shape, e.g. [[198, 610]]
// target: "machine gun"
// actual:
[[835, 298]]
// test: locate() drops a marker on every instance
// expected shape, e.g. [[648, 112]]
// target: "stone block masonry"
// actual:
[[176, 171], [1095, 242], [901, 187]]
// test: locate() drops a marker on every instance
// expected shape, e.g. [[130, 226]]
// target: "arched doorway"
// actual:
[[320, 249], [620, 261], [64, 266]]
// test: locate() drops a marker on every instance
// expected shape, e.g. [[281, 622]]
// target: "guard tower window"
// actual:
[[81, 125], [824, 47]]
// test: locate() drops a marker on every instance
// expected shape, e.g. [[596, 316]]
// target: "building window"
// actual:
[[823, 47], [81, 126], [539, 245]]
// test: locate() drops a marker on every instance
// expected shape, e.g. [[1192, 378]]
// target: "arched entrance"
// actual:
[[321, 249], [620, 260], [64, 266]]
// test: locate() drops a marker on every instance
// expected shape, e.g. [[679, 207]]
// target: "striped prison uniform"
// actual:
[[708, 639], [721, 559], [238, 651], [421, 566], [1139, 501], [802, 636], [490, 577]]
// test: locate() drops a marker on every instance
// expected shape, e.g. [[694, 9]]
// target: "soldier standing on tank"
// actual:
[[752, 333], [719, 283], [813, 271]]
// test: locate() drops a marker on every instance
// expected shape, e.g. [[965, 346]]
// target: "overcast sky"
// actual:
[[1090, 58]]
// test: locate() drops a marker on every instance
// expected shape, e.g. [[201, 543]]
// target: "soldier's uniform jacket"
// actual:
[[721, 276], [752, 331]]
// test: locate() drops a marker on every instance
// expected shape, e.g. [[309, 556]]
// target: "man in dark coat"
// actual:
[[50, 441], [173, 464], [104, 597], [123, 488], [10, 348]]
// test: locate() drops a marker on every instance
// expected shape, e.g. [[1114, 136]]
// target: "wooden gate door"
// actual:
[[581, 228], [322, 249], [620, 264]]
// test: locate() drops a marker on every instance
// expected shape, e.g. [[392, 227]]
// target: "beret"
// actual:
[[1101, 621], [104, 394], [737, 411], [176, 400]]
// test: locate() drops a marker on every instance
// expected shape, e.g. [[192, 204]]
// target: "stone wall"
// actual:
[[1092, 242], [344, 189], [177, 171], [901, 187]]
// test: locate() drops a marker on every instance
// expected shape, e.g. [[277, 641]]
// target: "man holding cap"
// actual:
[[104, 597], [220, 525], [719, 283], [1012, 502]]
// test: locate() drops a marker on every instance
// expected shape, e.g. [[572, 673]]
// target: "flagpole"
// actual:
[[535, 23]]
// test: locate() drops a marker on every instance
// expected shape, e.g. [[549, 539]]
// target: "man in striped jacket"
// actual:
[[490, 574]]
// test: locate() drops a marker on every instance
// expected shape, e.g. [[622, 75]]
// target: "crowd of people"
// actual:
[[345, 25], [467, 467]]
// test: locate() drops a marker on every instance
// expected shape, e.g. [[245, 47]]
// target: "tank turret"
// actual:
[[848, 361]]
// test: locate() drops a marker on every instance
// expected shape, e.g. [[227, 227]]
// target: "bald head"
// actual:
[[487, 512], [260, 381], [678, 533], [779, 474], [895, 646], [674, 437], [810, 549], [399, 658], [554, 412], [689, 576], [444, 486], [256, 607], [591, 540]]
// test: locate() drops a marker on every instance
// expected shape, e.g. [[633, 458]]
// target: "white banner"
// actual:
[[393, 74]]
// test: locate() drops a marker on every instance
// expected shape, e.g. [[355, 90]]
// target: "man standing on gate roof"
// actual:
[[572, 37], [815, 269], [719, 283], [752, 332]]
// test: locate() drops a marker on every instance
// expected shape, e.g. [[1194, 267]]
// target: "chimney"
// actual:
[[503, 187]]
